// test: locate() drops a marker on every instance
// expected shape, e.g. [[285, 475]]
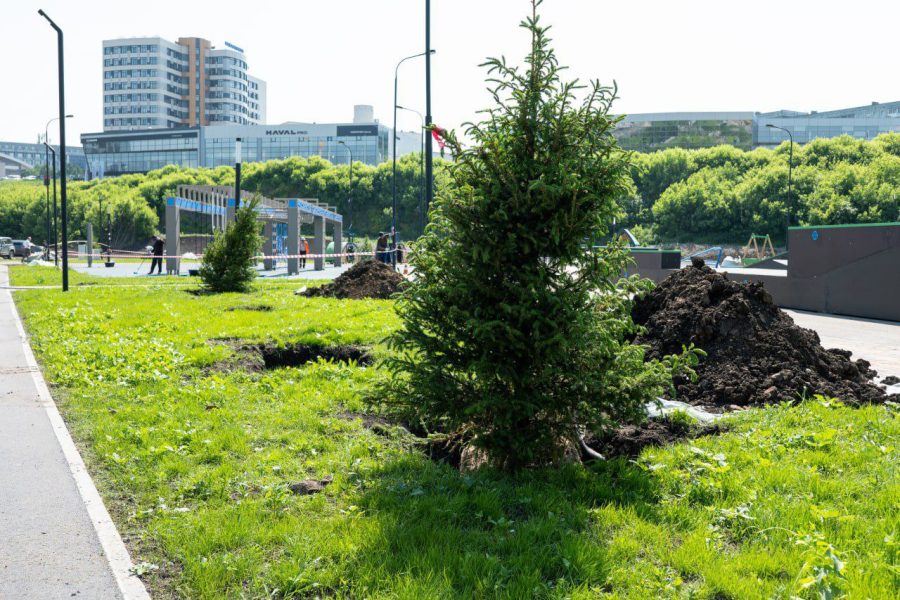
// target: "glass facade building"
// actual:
[[117, 153], [20, 154], [862, 122], [647, 132]]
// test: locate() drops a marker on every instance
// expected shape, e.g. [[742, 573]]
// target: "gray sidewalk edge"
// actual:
[[114, 548]]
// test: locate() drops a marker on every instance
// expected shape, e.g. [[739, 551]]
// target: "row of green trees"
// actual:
[[719, 194], [723, 194], [137, 202]]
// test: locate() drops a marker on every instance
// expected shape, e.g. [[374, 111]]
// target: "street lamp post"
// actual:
[[62, 149], [55, 227], [349, 195], [421, 166], [47, 151], [429, 173], [237, 174], [394, 143], [790, 173]]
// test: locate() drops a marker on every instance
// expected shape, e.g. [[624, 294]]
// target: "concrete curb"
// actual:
[[114, 548]]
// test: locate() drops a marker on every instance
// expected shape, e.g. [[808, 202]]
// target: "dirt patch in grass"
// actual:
[[756, 355], [295, 355], [253, 307], [629, 440], [368, 279], [264, 357]]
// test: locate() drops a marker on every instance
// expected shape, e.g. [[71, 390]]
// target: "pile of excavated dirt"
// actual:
[[755, 353], [368, 279]]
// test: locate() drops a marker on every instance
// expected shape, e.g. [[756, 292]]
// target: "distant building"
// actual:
[[16, 157], [119, 152], [862, 122], [152, 83], [648, 132]]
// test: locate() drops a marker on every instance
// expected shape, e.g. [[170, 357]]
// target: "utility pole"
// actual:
[[787, 216], [429, 173], [55, 225], [349, 195], [237, 174], [62, 150], [394, 169], [421, 166]]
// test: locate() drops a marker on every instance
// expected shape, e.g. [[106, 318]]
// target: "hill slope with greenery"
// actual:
[[719, 194]]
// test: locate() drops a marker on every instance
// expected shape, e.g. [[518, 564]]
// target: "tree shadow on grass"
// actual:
[[445, 534]]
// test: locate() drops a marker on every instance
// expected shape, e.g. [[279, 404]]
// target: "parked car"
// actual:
[[7, 250], [19, 248]]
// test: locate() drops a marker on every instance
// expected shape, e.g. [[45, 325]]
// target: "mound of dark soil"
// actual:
[[368, 279], [755, 352]]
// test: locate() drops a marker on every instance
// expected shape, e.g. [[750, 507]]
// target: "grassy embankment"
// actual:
[[195, 463]]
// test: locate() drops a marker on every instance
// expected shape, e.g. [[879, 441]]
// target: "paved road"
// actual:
[[876, 341], [130, 269], [49, 547]]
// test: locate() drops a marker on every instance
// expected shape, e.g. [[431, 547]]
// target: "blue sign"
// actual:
[[815, 235]]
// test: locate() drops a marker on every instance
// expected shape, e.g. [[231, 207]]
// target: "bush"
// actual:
[[229, 263], [513, 331]]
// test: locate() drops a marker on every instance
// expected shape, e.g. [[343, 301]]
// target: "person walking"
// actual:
[[157, 250], [304, 250], [26, 249]]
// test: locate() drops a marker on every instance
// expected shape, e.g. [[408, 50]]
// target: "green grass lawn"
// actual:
[[195, 463]]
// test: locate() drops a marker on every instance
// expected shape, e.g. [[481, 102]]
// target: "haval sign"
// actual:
[[286, 132]]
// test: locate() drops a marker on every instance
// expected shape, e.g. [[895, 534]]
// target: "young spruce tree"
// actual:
[[228, 262], [514, 330]]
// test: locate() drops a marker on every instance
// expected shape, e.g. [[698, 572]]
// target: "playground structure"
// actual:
[[760, 252], [220, 205]]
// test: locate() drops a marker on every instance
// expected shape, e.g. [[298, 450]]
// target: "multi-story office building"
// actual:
[[862, 122], [648, 132], [15, 157], [152, 83], [118, 152]]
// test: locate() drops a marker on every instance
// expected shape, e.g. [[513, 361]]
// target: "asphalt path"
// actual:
[[49, 544]]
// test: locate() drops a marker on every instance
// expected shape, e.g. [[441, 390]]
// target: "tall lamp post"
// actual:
[[62, 150], [55, 229], [790, 173], [237, 174], [47, 150], [350, 195], [394, 144], [429, 174], [421, 166]]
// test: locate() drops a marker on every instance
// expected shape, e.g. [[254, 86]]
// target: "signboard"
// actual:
[[355, 130]]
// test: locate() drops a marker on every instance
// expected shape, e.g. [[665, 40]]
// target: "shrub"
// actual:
[[228, 262], [514, 331]]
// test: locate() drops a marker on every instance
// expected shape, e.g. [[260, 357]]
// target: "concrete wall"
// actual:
[[849, 270]]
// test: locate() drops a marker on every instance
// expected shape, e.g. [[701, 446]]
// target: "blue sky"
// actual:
[[321, 57]]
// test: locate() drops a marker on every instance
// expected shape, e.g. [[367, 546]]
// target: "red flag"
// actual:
[[438, 134]]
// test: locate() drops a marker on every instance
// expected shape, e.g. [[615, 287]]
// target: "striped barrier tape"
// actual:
[[200, 256]]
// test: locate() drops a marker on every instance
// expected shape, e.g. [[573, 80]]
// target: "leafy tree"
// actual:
[[505, 339], [228, 261]]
